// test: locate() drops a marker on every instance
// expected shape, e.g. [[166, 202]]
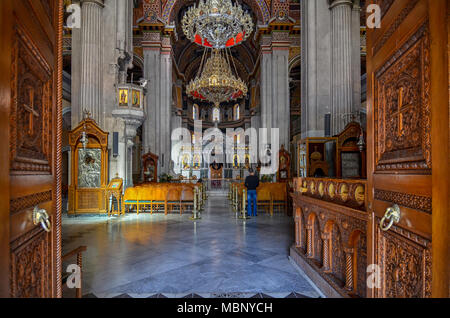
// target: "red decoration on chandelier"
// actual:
[[198, 39], [239, 38], [230, 42]]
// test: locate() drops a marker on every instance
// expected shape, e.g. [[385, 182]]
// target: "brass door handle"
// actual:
[[392, 216], [41, 216]]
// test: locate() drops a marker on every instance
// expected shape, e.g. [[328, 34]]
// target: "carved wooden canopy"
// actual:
[[92, 129]]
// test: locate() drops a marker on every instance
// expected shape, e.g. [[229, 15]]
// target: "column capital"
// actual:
[[349, 250], [325, 236], [98, 2], [336, 3]]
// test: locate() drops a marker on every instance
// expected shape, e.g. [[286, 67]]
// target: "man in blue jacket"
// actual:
[[251, 183]]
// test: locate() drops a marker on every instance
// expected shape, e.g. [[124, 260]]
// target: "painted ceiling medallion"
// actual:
[[217, 24]]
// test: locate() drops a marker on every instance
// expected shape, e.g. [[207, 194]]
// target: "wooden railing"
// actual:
[[330, 234], [78, 252]]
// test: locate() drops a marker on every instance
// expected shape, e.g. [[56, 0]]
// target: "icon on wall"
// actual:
[[136, 98], [123, 97]]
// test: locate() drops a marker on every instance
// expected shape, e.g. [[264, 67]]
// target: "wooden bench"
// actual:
[[269, 195], [163, 197]]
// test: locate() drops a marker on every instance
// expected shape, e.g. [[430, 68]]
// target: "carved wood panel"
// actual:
[[405, 260], [31, 108], [402, 107], [30, 261], [330, 232]]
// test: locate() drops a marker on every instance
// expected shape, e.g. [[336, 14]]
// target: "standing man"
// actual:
[[251, 183]]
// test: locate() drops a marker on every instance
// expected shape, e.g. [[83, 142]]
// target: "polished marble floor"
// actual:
[[144, 255]]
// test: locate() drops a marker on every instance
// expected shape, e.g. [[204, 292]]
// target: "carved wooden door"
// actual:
[[30, 129], [408, 150]]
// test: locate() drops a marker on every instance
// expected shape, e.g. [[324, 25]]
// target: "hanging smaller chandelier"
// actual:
[[217, 24], [217, 83]]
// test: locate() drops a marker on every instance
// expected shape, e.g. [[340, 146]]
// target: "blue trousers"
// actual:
[[251, 199]]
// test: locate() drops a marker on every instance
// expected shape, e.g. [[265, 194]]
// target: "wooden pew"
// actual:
[[268, 196], [162, 196]]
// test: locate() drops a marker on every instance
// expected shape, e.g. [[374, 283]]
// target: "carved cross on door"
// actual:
[[30, 109], [401, 109]]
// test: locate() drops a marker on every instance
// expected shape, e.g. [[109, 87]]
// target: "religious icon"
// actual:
[[282, 162], [196, 164], [185, 161], [89, 168], [236, 161], [247, 161], [136, 98], [123, 97]]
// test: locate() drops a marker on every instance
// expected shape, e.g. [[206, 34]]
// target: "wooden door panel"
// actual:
[[399, 147], [30, 265], [34, 134], [405, 260]]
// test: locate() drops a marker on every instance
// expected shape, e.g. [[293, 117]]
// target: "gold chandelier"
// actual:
[[217, 24], [217, 83]]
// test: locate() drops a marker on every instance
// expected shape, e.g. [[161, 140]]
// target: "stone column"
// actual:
[[341, 72], [124, 42], [152, 45], [91, 79], [280, 85], [315, 66], [166, 105], [266, 82], [275, 111], [356, 54], [158, 69]]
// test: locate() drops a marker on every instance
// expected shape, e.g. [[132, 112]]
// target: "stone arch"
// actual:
[[295, 61], [263, 12], [138, 60]]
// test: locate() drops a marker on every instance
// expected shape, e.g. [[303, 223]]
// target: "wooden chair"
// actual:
[[279, 195], [158, 198], [78, 252], [173, 199], [264, 198], [130, 199], [186, 198]]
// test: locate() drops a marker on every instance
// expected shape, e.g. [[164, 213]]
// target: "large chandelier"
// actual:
[[217, 24], [217, 83]]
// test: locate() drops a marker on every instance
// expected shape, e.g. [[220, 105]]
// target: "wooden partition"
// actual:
[[330, 234]]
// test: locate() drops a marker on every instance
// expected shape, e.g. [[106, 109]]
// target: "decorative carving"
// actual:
[[336, 231], [350, 193], [398, 21], [408, 200], [401, 102], [406, 266], [30, 265], [29, 201], [31, 108]]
